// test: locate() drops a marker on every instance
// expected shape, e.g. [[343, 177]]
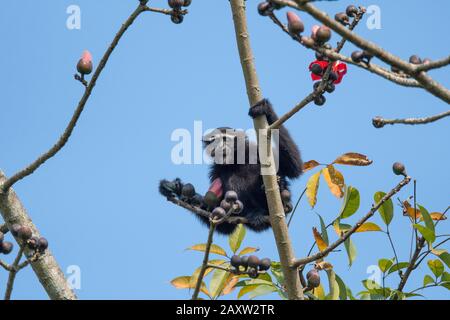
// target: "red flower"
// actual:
[[339, 68]]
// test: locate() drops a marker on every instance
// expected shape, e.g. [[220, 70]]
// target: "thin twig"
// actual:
[[296, 205], [212, 227], [12, 274], [393, 247], [82, 103], [379, 122], [346, 235], [433, 64]]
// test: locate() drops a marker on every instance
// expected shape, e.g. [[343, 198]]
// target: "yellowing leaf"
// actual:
[[321, 244], [368, 226], [182, 282], [196, 273], [230, 284], [214, 249], [248, 250], [323, 265], [436, 216], [410, 213], [353, 159], [246, 290], [311, 188], [319, 292], [335, 181], [310, 165], [218, 282]]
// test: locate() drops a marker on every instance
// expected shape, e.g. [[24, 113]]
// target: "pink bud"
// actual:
[[87, 56], [295, 24], [84, 65], [314, 30]]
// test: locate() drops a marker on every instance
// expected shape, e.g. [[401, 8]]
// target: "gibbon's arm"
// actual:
[[290, 161]]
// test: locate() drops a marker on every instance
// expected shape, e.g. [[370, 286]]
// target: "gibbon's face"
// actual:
[[225, 145]]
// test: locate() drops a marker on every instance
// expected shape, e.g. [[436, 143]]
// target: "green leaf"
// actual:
[[445, 257], [214, 249], [343, 292], [351, 251], [217, 283], [235, 239], [445, 277], [262, 290], [398, 266], [277, 272], [427, 280], [427, 233], [386, 210], [436, 266], [351, 202], [427, 218], [246, 290], [323, 230], [445, 285], [334, 286], [385, 264]]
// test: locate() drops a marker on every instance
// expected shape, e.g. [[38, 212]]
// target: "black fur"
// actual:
[[246, 179]]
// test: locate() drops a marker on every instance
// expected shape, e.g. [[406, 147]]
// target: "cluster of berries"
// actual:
[[176, 16], [252, 265], [25, 233], [211, 201], [344, 17]]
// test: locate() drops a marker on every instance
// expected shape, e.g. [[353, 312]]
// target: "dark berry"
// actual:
[[15, 229], [320, 100], [235, 261], [218, 213], [25, 233], [197, 200], [330, 87], [367, 55], [225, 205], [33, 243], [295, 24], [238, 207], [333, 76], [244, 261], [342, 18], [253, 273], [231, 196], [176, 4], [42, 244], [253, 261], [264, 8], [177, 18], [288, 207], [357, 56], [6, 247], [264, 264], [426, 60], [313, 278], [316, 85], [187, 3], [414, 59], [188, 191], [399, 168], [323, 34], [316, 69], [351, 11]]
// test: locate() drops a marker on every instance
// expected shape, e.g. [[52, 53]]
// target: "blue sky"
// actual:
[[97, 200]]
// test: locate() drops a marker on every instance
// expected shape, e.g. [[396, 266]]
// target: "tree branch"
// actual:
[[12, 274], [422, 78], [346, 235], [82, 103], [379, 122], [276, 211], [45, 266]]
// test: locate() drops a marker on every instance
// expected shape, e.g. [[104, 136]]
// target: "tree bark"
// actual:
[[45, 267], [276, 211]]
